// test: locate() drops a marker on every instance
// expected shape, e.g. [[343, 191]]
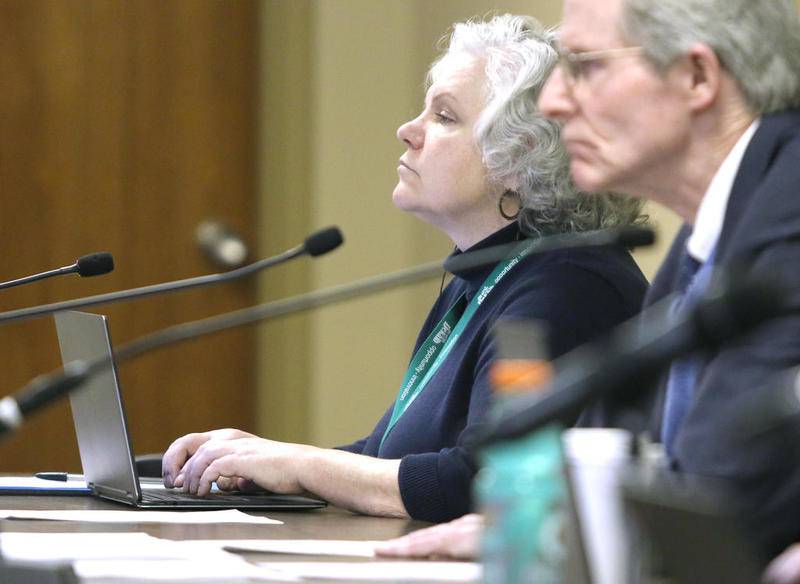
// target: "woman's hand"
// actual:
[[183, 448], [239, 462], [242, 461], [459, 539], [785, 569]]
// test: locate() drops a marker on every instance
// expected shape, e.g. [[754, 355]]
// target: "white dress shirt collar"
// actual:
[[711, 213]]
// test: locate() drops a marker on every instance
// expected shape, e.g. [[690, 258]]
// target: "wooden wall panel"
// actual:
[[123, 124]]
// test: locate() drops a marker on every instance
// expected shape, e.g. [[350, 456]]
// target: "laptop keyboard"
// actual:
[[176, 498], [168, 496]]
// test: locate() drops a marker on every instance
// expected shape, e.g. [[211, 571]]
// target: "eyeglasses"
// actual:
[[575, 65]]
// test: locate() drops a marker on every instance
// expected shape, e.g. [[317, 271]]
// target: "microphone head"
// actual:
[[632, 237], [773, 407], [323, 241], [95, 264], [734, 304]]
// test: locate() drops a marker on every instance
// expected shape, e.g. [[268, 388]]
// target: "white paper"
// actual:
[[317, 547], [37, 483], [107, 546], [125, 555], [421, 571], [141, 516], [195, 570]]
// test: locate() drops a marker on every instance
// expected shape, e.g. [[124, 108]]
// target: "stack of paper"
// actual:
[[140, 516], [143, 557]]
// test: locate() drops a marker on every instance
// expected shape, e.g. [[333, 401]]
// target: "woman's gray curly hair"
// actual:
[[520, 147]]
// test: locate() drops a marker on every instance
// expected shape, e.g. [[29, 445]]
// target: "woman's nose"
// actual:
[[412, 134]]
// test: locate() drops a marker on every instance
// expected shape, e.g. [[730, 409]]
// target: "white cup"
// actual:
[[595, 459]]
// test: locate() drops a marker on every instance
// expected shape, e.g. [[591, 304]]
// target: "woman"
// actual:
[[483, 166]]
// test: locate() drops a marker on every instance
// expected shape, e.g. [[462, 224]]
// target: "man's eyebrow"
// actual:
[[572, 49], [568, 45]]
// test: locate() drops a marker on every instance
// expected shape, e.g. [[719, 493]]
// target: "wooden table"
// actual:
[[329, 523]]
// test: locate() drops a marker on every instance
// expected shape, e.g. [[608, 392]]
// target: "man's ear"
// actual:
[[704, 76]]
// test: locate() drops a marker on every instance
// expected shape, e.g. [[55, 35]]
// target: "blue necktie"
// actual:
[[692, 281]]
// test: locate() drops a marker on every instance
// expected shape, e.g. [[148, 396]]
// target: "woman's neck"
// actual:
[[465, 235]]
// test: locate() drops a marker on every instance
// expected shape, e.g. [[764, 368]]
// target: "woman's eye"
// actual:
[[443, 117]]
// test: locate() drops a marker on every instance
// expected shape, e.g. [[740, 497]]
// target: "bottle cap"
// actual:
[[516, 375]]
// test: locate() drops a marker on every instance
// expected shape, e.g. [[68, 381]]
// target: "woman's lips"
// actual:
[[405, 167]]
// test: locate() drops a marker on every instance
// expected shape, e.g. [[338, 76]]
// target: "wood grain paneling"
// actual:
[[123, 124]]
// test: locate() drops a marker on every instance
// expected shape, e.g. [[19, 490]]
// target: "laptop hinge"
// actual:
[[112, 493]]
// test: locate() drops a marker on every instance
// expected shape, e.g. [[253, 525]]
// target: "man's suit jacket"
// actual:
[[761, 235]]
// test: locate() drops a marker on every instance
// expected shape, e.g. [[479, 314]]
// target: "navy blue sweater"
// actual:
[[579, 294]]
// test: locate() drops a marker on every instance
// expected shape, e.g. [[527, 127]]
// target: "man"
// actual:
[[693, 104]]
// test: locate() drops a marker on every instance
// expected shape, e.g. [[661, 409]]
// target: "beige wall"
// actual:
[[352, 71]]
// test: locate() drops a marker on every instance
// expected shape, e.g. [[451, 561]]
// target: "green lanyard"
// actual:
[[432, 353]]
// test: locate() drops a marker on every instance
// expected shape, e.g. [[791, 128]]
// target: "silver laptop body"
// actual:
[[104, 442]]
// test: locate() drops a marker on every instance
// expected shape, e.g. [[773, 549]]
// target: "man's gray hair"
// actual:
[[756, 41], [519, 146]]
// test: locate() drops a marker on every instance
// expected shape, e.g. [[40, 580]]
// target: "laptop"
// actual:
[[104, 442]]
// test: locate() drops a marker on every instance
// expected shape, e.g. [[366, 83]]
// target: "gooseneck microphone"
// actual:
[[94, 264], [634, 351], [46, 388], [627, 237], [774, 407], [367, 286], [316, 244]]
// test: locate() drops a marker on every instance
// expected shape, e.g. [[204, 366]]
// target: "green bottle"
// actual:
[[521, 488]]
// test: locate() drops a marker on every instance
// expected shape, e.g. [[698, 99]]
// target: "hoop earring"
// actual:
[[509, 195]]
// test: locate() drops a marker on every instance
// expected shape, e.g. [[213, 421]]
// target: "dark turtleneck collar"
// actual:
[[475, 276]]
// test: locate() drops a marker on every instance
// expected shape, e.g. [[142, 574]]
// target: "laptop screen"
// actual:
[[97, 409]]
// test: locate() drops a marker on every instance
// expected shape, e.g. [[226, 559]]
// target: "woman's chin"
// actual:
[[410, 204], [404, 201]]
